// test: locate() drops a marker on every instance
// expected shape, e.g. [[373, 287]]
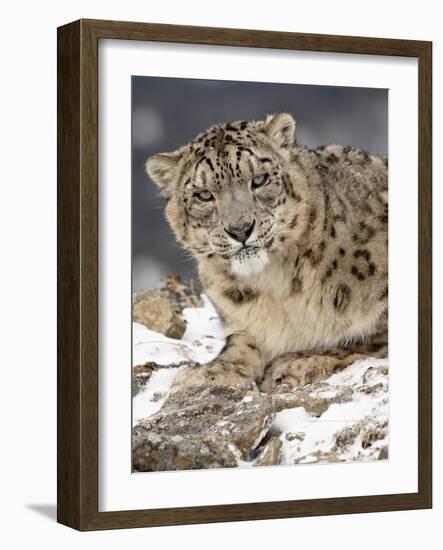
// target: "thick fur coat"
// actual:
[[291, 246]]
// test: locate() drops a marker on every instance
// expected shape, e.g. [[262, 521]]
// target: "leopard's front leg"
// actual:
[[239, 362]]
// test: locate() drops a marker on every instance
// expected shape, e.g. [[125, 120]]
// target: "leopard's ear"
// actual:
[[281, 129], [163, 169]]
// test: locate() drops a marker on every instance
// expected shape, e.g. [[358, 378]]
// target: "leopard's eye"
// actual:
[[204, 196], [259, 181]]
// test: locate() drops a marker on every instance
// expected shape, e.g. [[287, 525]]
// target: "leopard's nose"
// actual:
[[240, 232]]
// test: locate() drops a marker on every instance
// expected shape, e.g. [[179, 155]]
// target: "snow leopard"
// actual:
[[291, 245]]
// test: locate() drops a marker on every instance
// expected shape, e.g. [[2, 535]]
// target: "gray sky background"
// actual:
[[169, 112]]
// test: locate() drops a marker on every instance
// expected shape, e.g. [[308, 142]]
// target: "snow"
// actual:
[[201, 342], [305, 438], [152, 397]]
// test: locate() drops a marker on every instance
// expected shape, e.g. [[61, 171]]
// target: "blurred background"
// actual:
[[169, 112]]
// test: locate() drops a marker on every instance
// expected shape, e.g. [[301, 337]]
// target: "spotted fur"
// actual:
[[291, 242]]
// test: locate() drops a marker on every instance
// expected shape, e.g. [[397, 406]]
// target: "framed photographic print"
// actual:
[[233, 206]]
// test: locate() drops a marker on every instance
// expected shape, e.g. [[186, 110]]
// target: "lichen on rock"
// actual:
[[203, 427]]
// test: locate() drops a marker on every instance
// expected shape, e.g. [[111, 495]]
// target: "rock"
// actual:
[[315, 399], [373, 431], [157, 396], [299, 436], [346, 437], [383, 453], [154, 451], [205, 426], [269, 456], [141, 375], [366, 437], [321, 457], [156, 311], [211, 417], [345, 418], [161, 309]]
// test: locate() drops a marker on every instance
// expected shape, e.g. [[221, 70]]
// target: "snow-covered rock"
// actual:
[[343, 418]]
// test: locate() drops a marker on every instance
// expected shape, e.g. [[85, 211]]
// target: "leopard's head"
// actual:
[[229, 192]]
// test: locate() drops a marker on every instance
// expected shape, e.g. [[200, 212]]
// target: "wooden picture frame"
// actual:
[[78, 274]]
